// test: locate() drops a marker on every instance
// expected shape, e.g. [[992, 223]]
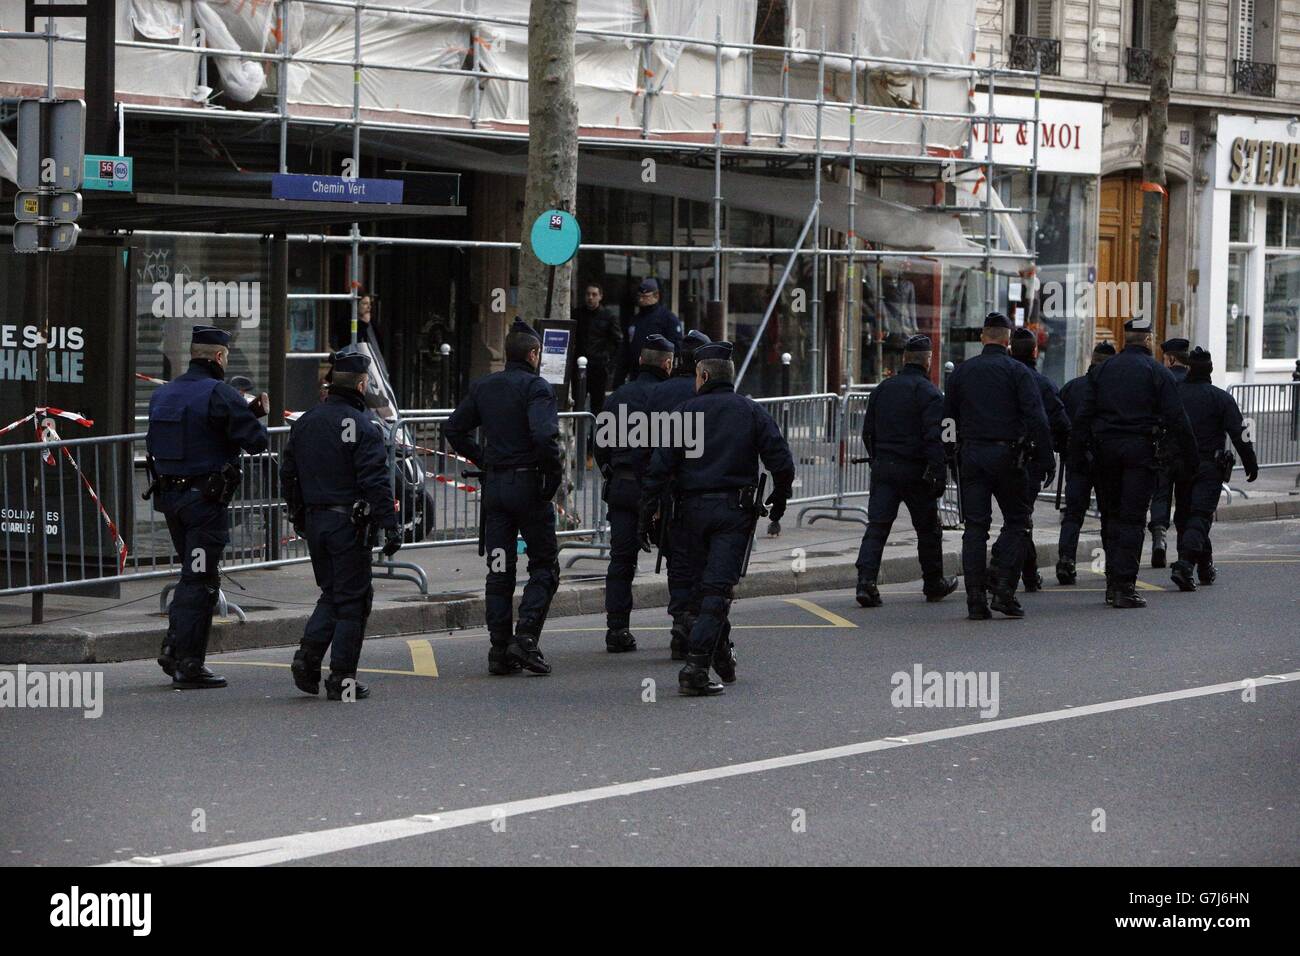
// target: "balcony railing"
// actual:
[[1031, 53], [1254, 79]]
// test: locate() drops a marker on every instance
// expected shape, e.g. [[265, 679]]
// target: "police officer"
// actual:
[[666, 397], [336, 483], [197, 426], [1174, 352], [1024, 348], [1003, 442], [622, 462], [522, 469], [1127, 402], [652, 318], [1212, 413], [1078, 481], [902, 431], [716, 491]]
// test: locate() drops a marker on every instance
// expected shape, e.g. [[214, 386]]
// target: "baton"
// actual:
[[759, 512], [479, 476], [1060, 480]]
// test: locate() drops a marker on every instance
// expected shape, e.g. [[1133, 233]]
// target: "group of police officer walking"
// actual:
[[1126, 428]]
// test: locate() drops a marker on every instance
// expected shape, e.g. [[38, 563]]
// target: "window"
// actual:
[[1254, 70], [769, 25], [1140, 25], [1034, 18], [1240, 232], [1281, 280]]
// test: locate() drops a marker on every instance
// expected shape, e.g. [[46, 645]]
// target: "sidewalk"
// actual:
[[277, 601]]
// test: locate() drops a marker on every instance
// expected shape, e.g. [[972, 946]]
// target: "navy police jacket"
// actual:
[[198, 423], [628, 403], [904, 418], [336, 456], [516, 410], [994, 398], [1214, 413]]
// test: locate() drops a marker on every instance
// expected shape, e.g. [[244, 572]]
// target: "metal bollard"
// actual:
[[444, 375], [581, 406], [786, 358]]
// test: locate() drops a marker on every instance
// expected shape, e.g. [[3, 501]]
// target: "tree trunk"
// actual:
[[1164, 21], [552, 145]]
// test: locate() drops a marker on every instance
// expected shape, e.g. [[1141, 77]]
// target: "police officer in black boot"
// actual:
[[197, 426], [667, 397], [336, 483], [1133, 419], [1003, 441], [623, 455], [522, 469], [1078, 481], [1174, 353], [719, 504], [902, 431], [1213, 414], [1024, 348]]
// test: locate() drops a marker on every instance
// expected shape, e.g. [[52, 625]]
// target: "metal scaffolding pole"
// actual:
[[717, 163], [814, 352], [355, 259], [852, 238]]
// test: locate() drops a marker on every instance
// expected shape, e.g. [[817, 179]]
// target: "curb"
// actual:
[[50, 644]]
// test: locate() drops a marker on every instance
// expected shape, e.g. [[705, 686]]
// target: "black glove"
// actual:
[[776, 508], [392, 541], [774, 529], [1049, 472], [645, 525], [1252, 472], [551, 483], [936, 479]]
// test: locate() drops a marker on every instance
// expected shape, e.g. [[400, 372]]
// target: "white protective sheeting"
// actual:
[[142, 75], [935, 31]]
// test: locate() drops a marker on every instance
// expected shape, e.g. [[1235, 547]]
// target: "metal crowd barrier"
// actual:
[[1273, 411]]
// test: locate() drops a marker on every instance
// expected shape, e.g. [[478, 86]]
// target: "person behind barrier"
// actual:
[[1133, 424], [902, 431], [334, 472], [623, 456], [1078, 481], [198, 425], [652, 317], [1024, 348], [522, 469], [1174, 353], [718, 491], [1003, 441], [1213, 413]]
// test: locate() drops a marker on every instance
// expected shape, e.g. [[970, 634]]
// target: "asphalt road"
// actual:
[[806, 760]]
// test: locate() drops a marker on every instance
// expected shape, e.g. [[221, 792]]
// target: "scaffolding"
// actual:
[[920, 163]]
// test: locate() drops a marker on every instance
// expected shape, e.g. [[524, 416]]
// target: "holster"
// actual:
[[1225, 461]]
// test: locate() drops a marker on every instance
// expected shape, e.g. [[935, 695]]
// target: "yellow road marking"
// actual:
[[360, 670], [834, 619], [422, 660], [1143, 586]]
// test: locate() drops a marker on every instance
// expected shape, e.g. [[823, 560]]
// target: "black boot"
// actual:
[[524, 650], [1182, 574], [306, 671], [337, 683], [693, 680], [1065, 573], [1110, 589], [191, 674], [724, 660], [167, 656], [868, 594], [1206, 571], [939, 589], [619, 640], [681, 637], [977, 604], [1003, 589], [1126, 595], [1158, 553], [500, 664], [1033, 582]]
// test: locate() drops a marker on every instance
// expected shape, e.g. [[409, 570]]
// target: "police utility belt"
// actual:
[[217, 486], [745, 498]]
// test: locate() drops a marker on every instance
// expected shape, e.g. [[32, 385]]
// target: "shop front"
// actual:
[[1250, 256]]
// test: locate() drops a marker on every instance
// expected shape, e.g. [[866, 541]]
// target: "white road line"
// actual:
[[301, 846]]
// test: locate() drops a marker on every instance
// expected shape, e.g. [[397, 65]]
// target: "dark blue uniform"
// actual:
[[737, 433], [658, 319], [1126, 401], [995, 403], [516, 410], [1212, 413], [197, 426], [623, 467], [336, 457], [1059, 423], [668, 396], [902, 431], [1077, 494], [1162, 496]]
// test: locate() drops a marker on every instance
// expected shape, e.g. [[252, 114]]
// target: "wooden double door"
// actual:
[[1119, 232]]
